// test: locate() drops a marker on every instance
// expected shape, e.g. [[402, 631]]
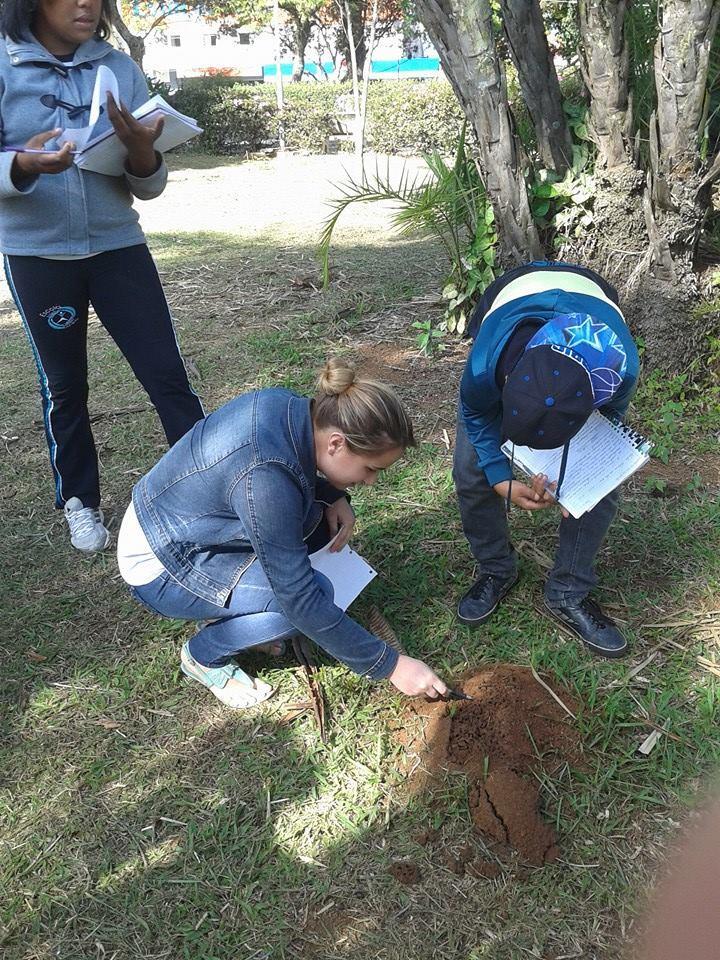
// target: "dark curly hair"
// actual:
[[16, 17]]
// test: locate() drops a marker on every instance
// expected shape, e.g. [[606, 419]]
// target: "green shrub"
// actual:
[[240, 119], [195, 100], [413, 116], [310, 111], [407, 116]]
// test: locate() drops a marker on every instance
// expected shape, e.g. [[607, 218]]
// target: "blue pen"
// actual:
[[33, 150]]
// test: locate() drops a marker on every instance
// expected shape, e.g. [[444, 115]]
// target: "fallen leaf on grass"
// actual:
[[106, 724], [295, 710]]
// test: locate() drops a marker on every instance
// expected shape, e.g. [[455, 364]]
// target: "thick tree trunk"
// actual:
[[525, 33], [605, 61], [134, 43], [677, 198], [462, 33], [682, 54], [677, 194]]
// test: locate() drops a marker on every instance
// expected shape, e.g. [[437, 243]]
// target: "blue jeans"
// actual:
[[251, 616], [485, 526]]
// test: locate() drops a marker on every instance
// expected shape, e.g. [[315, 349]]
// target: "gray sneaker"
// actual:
[[87, 532]]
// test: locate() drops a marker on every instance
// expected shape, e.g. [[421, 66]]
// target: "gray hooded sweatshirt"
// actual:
[[76, 212]]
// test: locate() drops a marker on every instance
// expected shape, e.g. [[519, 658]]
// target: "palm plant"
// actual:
[[448, 202]]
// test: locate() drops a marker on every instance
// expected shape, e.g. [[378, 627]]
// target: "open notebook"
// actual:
[[603, 454], [106, 154]]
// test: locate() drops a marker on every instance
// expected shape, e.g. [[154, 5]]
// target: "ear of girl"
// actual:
[[345, 468]]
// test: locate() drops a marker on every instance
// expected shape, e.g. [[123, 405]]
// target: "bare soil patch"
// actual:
[[511, 732]]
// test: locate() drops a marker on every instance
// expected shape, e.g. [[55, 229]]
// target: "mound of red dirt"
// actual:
[[510, 731]]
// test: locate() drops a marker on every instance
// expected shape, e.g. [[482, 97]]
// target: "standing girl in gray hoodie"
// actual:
[[71, 237]]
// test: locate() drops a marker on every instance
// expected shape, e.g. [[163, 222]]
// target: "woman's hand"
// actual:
[[413, 677], [28, 165], [138, 139], [340, 517]]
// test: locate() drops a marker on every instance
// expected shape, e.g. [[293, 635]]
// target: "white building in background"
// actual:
[[186, 45]]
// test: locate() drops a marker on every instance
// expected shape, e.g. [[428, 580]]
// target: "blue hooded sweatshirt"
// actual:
[[541, 290], [76, 212]]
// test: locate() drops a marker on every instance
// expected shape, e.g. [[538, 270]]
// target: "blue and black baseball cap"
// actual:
[[571, 365], [546, 399]]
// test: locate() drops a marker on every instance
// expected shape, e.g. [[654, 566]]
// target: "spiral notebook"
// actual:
[[600, 457]]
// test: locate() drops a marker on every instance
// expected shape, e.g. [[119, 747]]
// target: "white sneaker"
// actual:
[[87, 532]]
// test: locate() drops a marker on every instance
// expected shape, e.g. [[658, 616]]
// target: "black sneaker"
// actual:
[[483, 597], [585, 620]]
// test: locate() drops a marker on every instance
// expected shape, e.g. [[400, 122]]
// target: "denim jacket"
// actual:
[[75, 212], [242, 484]]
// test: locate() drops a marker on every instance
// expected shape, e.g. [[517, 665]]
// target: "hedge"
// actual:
[[408, 116], [413, 115]]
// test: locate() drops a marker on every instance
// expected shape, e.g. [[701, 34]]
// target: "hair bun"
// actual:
[[337, 376]]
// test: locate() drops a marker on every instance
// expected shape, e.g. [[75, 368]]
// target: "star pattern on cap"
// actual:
[[593, 343], [589, 332]]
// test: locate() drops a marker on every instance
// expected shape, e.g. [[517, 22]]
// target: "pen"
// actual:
[[33, 150]]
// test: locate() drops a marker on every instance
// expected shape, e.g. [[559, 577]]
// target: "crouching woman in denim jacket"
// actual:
[[218, 530]]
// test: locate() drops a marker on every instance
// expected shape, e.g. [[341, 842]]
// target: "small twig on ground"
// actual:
[[710, 665], [304, 657], [552, 692], [531, 552], [651, 740]]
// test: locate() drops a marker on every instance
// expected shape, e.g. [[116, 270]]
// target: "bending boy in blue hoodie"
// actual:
[[550, 345]]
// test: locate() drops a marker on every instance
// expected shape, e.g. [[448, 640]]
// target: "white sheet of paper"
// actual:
[[105, 82], [346, 570]]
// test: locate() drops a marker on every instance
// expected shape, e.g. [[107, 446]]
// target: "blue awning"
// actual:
[[415, 66]]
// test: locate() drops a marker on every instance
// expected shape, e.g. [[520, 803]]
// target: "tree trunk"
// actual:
[[358, 12], [605, 63], [525, 33], [682, 54], [677, 199], [677, 195], [301, 30], [462, 33], [354, 25], [134, 43], [410, 36]]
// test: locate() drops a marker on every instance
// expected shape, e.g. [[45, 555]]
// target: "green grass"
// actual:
[[141, 820]]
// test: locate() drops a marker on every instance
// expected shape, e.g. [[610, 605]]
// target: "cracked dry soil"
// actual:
[[510, 731]]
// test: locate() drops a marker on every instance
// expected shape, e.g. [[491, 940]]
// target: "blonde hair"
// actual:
[[367, 412]]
